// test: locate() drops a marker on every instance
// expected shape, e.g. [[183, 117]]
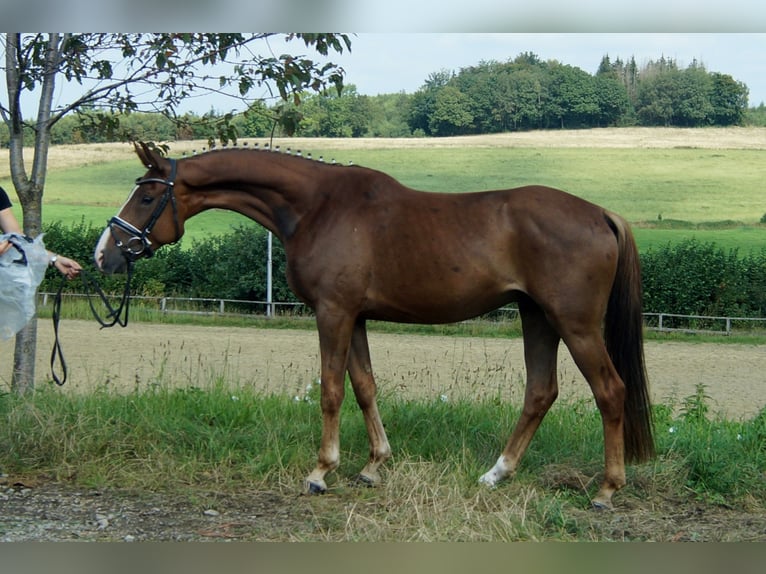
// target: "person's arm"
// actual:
[[69, 268], [8, 224]]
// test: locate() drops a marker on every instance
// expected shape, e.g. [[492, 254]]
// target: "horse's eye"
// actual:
[[146, 200]]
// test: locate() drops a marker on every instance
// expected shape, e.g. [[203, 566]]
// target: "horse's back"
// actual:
[[407, 255]]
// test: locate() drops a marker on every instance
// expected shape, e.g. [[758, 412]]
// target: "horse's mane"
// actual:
[[265, 148]]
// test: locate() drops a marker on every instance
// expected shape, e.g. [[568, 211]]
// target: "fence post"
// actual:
[[269, 286], [659, 322], [221, 307]]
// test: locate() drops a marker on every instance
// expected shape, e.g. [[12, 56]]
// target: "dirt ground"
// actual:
[[53, 512]]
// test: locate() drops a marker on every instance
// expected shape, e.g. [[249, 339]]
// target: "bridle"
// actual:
[[138, 243]]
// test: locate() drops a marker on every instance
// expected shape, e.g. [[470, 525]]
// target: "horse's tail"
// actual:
[[623, 332]]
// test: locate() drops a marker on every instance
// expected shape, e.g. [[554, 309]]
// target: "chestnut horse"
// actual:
[[360, 245]]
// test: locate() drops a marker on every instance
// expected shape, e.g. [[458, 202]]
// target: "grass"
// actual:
[[728, 236], [231, 439]]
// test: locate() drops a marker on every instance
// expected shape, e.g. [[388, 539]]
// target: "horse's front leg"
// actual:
[[365, 389], [335, 330]]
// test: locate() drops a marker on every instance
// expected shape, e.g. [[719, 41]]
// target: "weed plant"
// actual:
[[721, 461]]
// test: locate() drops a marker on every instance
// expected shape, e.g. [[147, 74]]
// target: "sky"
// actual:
[[384, 63]]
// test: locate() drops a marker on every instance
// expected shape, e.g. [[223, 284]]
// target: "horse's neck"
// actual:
[[260, 187]]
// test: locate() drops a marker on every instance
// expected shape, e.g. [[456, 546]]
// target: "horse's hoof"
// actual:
[[315, 488], [363, 480], [487, 481], [601, 505]]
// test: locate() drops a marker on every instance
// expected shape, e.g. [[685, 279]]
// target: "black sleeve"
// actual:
[[5, 201]]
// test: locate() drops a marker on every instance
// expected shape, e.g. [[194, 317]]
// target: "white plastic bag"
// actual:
[[22, 269]]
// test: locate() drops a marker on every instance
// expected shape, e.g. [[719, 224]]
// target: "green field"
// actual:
[[713, 195]]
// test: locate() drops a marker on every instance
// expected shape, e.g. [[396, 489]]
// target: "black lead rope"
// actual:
[[114, 316]]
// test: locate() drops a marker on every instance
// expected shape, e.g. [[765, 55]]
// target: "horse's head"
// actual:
[[148, 219]]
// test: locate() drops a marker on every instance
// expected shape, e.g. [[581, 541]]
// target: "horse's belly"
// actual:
[[438, 303]]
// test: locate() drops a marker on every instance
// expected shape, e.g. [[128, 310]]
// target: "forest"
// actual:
[[523, 93]]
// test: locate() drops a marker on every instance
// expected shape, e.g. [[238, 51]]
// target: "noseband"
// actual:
[[138, 243]]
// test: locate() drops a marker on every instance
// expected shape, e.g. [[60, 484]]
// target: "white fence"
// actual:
[[668, 322], [665, 322]]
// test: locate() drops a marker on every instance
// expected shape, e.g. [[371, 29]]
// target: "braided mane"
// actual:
[[266, 148]]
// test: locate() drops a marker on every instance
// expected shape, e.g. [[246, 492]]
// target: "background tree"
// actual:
[[335, 114], [656, 96], [611, 92], [257, 121], [486, 89], [424, 100], [693, 107], [451, 113], [126, 73], [572, 102], [729, 100], [389, 115]]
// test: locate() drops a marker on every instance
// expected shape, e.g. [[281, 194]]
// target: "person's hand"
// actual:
[[69, 268], [4, 246]]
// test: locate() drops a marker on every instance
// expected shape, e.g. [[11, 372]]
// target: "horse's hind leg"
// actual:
[[363, 383], [541, 343], [590, 355]]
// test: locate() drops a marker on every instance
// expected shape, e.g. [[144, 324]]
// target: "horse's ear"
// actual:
[[147, 154]]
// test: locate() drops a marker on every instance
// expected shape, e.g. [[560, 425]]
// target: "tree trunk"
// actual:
[[23, 379], [25, 351], [29, 190]]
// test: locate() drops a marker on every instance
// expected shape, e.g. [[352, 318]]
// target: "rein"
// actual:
[[114, 316]]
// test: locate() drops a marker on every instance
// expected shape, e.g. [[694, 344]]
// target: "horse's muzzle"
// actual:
[[111, 265], [108, 257]]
